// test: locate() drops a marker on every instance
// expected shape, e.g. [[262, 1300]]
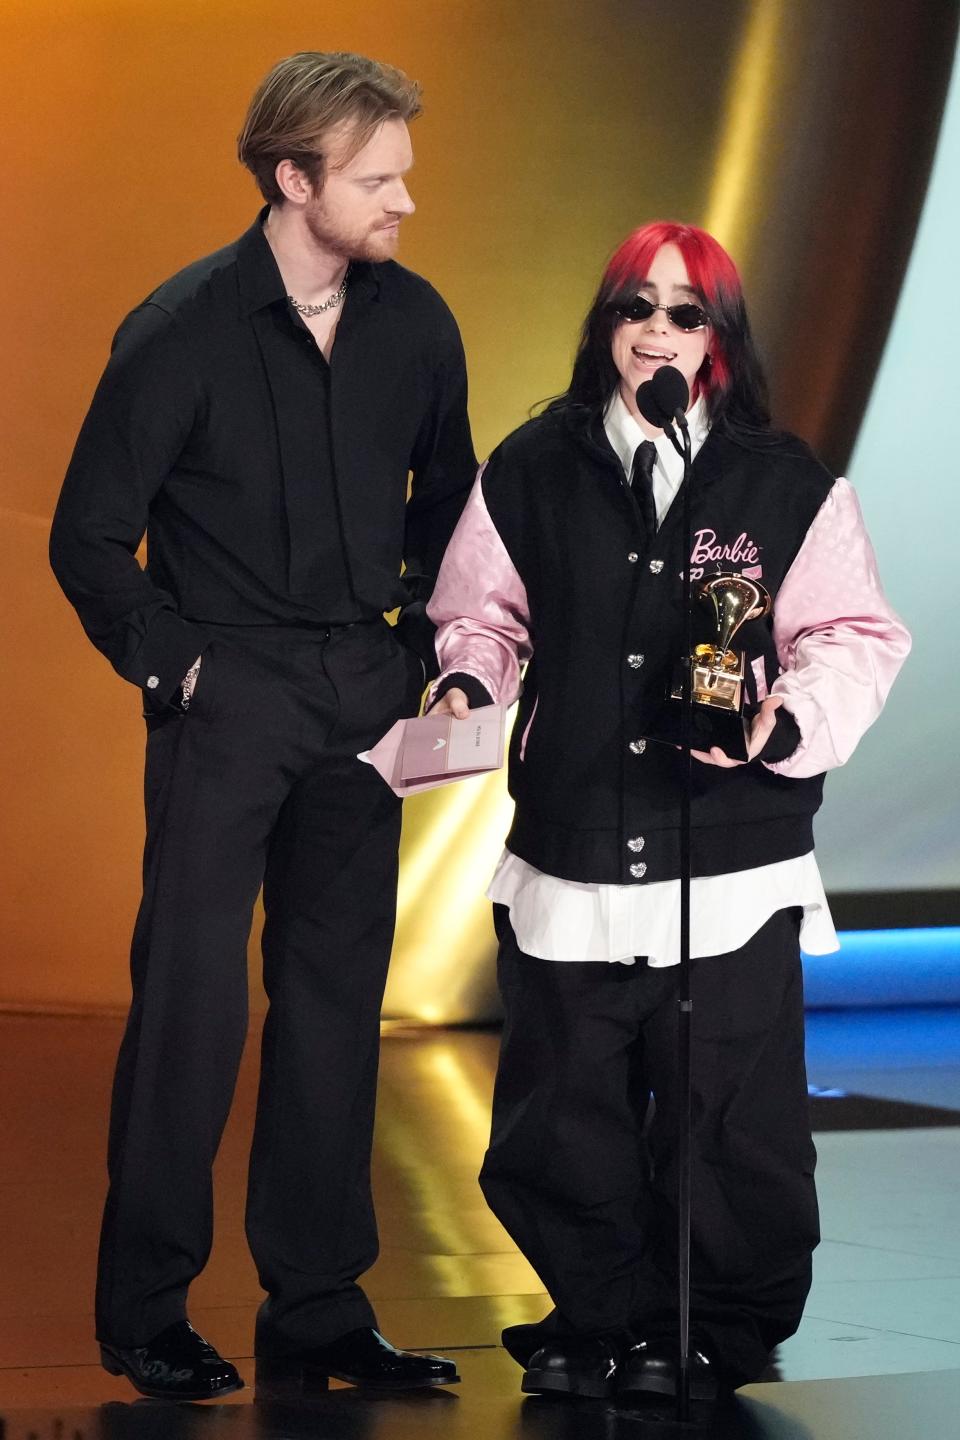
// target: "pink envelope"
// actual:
[[431, 750]]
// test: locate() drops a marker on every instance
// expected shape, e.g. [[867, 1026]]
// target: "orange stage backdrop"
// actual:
[[801, 133]]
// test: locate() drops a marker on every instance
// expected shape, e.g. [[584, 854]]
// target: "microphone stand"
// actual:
[[685, 1002]]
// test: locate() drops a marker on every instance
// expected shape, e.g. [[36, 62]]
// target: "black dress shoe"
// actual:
[[651, 1367], [361, 1357], [523, 1341], [572, 1365], [177, 1364]]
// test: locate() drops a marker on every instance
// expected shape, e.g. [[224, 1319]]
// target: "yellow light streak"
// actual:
[[450, 816], [445, 934], [440, 841], [432, 1181], [750, 100], [454, 1080]]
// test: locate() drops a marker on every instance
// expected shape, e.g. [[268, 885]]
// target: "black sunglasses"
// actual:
[[686, 316]]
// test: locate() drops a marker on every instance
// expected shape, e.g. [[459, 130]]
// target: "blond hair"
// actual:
[[304, 97]]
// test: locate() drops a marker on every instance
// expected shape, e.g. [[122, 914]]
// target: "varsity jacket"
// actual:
[[551, 567]]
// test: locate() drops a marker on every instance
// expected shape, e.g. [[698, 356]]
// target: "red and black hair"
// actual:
[[732, 381]]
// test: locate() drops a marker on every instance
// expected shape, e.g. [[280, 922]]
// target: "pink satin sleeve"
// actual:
[[838, 640], [479, 606]]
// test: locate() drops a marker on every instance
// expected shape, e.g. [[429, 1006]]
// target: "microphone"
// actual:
[[664, 399]]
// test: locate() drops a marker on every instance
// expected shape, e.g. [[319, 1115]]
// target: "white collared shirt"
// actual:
[[625, 434], [561, 920]]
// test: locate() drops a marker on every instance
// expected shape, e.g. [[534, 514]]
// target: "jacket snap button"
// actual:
[[635, 661], [153, 681], [656, 566], [637, 747], [637, 844], [633, 557], [638, 871]]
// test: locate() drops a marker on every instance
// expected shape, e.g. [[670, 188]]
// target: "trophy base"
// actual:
[[709, 726]]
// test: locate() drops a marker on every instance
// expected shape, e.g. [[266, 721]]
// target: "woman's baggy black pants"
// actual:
[[582, 1167]]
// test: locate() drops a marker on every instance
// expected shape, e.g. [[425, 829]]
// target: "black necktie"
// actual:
[[641, 480]]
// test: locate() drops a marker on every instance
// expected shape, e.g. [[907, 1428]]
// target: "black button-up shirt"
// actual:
[[272, 487]]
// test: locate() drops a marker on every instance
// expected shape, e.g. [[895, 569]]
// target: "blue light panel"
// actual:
[[886, 967]]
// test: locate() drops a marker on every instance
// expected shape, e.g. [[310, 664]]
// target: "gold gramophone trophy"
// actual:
[[716, 671]]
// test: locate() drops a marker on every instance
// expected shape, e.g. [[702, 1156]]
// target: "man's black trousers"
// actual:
[[582, 1169], [259, 783]]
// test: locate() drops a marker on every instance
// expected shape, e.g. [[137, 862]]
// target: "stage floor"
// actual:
[[878, 1353]]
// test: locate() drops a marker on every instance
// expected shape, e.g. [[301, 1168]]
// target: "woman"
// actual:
[[568, 556]]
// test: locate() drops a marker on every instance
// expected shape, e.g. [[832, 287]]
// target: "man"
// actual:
[[259, 419]]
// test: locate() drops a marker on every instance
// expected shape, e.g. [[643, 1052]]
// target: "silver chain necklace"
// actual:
[[331, 303]]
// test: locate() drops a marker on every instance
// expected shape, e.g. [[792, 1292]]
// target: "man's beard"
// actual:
[[350, 244]]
